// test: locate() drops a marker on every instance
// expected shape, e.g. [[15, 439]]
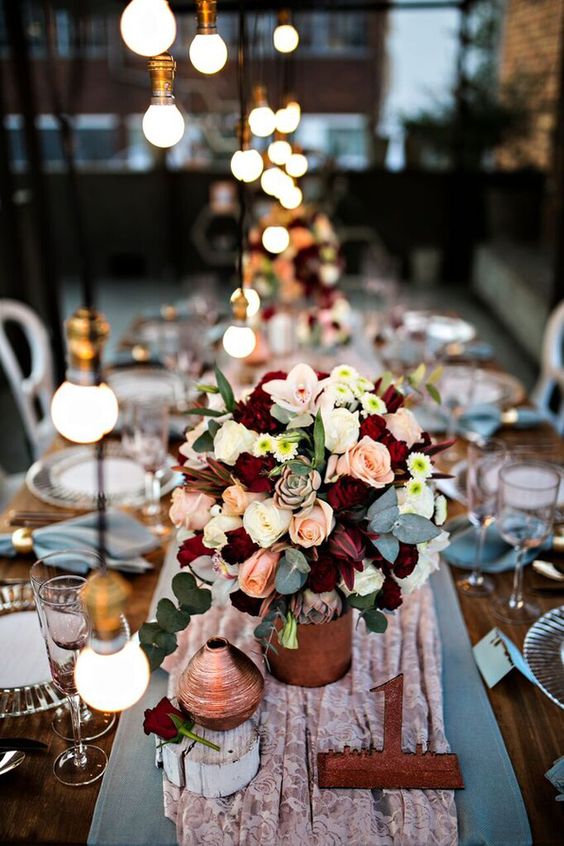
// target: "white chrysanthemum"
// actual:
[[284, 448], [419, 465], [415, 487], [342, 394], [441, 509], [344, 373], [372, 404], [362, 386], [422, 502], [264, 444]]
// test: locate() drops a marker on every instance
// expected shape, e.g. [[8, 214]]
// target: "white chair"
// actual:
[[32, 393], [548, 393]]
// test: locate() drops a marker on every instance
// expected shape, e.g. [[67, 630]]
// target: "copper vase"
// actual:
[[221, 687], [324, 654]]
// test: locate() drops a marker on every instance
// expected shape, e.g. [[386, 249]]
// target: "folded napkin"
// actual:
[[126, 540], [497, 556], [476, 350], [556, 776], [485, 419]]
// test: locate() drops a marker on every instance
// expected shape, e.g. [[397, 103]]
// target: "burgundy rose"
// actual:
[[253, 472], [157, 720], [324, 575], [239, 546], [406, 561], [192, 549], [347, 493], [254, 413], [389, 597], [393, 399], [374, 426], [398, 450], [245, 603]]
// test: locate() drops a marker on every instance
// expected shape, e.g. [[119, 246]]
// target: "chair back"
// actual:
[[32, 393], [548, 393]]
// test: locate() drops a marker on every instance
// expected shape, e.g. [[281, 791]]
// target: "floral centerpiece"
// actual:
[[311, 495]]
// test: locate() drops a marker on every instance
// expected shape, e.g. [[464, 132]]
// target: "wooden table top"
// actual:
[[36, 808]]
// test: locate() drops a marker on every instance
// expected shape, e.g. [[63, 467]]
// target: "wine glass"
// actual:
[[527, 498], [66, 632], [485, 461], [94, 723], [145, 438]]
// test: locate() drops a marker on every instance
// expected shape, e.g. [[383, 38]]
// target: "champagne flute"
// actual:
[[66, 632], [145, 438], [527, 499], [485, 461], [94, 723]]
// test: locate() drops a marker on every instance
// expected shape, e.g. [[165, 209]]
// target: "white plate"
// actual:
[[68, 478], [145, 383], [478, 386], [440, 327]]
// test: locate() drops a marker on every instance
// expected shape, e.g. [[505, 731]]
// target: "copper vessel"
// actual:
[[221, 687], [324, 654]]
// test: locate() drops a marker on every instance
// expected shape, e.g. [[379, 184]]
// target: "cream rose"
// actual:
[[231, 440], [215, 531], [265, 523], [236, 500], [341, 429], [427, 562], [368, 461], [313, 525], [404, 426], [190, 510], [258, 573], [368, 581]]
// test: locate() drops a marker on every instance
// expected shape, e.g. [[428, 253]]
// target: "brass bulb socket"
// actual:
[[206, 15], [283, 17], [162, 69], [244, 134], [259, 96], [240, 306], [87, 331]]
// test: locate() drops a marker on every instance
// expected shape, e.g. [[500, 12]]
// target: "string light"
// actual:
[[163, 124], [275, 182], [292, 198], [275, 239], [279, 151], [288, 117], [262, 119], [239, 339], [148, 27], [246, 164], [297, 165], [112, 682], [253, 300], [285, 36], [208, 52]]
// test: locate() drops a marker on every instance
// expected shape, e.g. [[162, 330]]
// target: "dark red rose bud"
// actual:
[[398, 450], [406, 561], [192, 549], [389, 597], [323, 575], [157, 720], [393, 399], [253, 472], [239, 546], [374, 426], [347, 493], [247, 604]]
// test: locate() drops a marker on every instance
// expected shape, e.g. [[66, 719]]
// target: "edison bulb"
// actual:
[[239, 341], [112, 682], [246, 165], [84, 413], [275, 239], [253, 300], [291, 199], [269, 180], [286, 38], [148, 27], [262, 121], [163, 125], [279, 152], [288, 118], [208, 52], [296, 165], [283, 184]]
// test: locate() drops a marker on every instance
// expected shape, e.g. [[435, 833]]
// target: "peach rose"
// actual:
[[368, 461], [301, 238], [190, 510], [236, 499], [403, 426], [313, 525], [258, 573]]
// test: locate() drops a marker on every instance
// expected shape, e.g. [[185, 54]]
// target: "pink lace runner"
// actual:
[[283, 804]]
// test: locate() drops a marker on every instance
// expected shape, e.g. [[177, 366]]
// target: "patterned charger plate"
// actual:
[[544, 653], [33, 696]]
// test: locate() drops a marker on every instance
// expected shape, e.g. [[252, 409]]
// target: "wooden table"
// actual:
[[36, 808]]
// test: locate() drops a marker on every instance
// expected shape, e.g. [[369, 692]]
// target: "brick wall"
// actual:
[[530, 53]]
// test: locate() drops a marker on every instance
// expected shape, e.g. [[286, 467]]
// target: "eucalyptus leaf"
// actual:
[[318, 440], [388, 547], [155, 655], [297, 559], [384, 521], [183, 583], [170, 618], [280, 414], [289, 578], [148, 631], [165, 640], [196, 601], [204, 443], [263, 630], [224, 389], [355, 600], [213, 427], [387, 500], [375, 621], [413, 528]]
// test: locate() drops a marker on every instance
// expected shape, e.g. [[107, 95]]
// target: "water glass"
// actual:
[[527, 497], [66, 630], [485, 461]]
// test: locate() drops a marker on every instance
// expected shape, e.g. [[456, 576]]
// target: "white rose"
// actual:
[[265, 523], [427, 563], [342, 428], [423, 503], [369, 580], [214, 532], [231, 440]]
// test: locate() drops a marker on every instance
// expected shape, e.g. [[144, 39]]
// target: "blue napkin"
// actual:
[[556, 776], [486, 419], [126, 540], [497, 555]]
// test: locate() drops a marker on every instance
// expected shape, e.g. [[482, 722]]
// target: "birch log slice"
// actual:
[[202, 770]]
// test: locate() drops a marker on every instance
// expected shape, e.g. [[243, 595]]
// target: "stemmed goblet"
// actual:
[[485, 461], [66, 632], [527, 497]]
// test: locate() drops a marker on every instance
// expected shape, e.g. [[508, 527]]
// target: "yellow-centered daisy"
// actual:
[[344, 373], [371, 404], [285, 449], [419, 465], [263, 445]]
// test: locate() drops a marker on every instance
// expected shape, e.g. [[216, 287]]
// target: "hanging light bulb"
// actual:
[[112, 682], [163, 124], [148, 27], [291, 198], [285, 36], [208, 52], [279, 151], [81, 409], [246, 164], [239, 339], [289, 116], [297, 165], [275, 239], [262, 119], [253, 300]]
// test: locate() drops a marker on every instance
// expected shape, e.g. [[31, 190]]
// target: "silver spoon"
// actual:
[[10, 760]]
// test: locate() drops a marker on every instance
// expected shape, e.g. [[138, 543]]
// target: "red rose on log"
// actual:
[[253, 472], [157, 720], [239, 546], [347, 493], [191, 549]]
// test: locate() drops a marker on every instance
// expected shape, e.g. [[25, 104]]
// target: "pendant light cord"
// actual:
[[242, 118]]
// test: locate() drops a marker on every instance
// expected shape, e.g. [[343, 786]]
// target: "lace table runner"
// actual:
[[283, 806]]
